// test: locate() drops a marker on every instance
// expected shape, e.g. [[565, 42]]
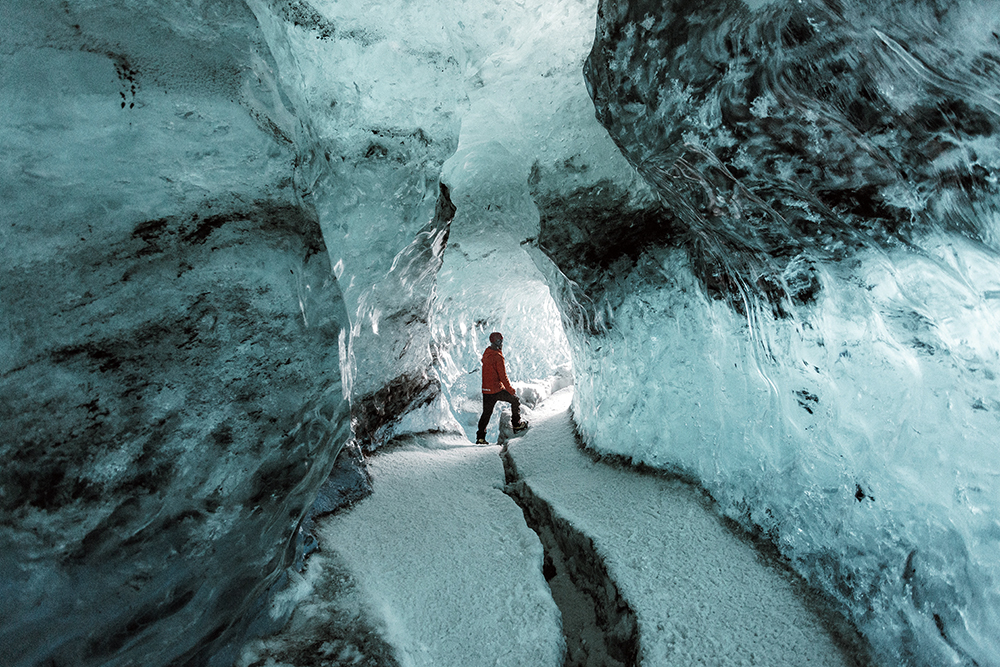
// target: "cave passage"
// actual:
[[239, 236]]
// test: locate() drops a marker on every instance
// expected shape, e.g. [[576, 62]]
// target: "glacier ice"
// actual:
[[171, 393], [234, 230], [807, 326]]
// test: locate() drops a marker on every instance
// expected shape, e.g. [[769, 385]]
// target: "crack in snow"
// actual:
[[599, 626]]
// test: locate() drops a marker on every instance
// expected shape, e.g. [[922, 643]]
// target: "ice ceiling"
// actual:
[[240, 235]]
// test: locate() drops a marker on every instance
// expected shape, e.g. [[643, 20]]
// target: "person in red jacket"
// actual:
[[496, 387]]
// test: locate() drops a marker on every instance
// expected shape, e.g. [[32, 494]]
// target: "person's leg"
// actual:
[[489, 401], [515, 411], [515, 406]]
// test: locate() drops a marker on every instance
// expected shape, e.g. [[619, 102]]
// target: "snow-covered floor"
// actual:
[[445, 568], [451, 571], [700, 594]]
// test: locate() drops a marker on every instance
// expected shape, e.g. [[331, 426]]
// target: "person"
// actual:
[[496, 387]]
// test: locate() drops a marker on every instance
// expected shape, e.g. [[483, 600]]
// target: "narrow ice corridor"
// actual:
[[250, 246]]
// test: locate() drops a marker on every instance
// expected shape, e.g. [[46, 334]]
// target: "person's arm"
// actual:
[[502, 374]]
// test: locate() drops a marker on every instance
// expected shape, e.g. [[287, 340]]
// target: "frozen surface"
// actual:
[[439, 566], [867, 454], [449, 572], [700, 594]]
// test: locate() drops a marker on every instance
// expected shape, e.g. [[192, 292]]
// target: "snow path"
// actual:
[[449, 567], [452, 576], [700, 594]]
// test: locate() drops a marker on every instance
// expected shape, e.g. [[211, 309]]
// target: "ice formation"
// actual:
[[171, 394], [816, 340], [235, 231]]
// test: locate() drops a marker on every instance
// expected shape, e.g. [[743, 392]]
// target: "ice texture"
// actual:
[[806, 319], [377, 103], [170, 392], [773, 269], [221, 224], [415, 151]]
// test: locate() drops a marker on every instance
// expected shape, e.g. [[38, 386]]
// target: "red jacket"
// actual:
[[495, 372]]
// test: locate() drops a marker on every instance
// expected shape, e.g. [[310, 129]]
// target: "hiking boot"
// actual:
[[520, 427], [481, 441]]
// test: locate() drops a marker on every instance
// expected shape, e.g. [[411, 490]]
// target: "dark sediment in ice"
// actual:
[[795, 146], [171, 392], [375, 411], [798, 132], [597, 232], [328, 629], [168, 416], [347, 483], [403, 302]]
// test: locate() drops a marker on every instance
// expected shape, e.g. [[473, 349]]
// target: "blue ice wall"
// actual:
[[806, 319], [169, 380]]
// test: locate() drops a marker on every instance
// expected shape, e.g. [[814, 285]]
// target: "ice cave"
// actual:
[[744, 254]]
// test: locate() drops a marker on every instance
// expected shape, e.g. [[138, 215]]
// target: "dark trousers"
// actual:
[[489, 402]]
